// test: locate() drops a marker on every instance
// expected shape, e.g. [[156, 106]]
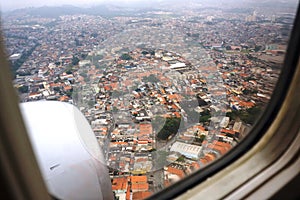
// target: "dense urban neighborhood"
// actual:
[[166, 91]]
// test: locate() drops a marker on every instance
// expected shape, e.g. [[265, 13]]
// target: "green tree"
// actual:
[[145, 52], [257, 48], [69, 93], [69, 72], [232, 115], [180, 159], [228, 48], [23, 89], [152, 52], [56, 89], [83, 55], [170, 128], [249, 116], [75, 60], [126, 56], [200, 139], [205, 116], [115, 109]]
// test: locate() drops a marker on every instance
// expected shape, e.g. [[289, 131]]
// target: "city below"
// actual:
[[166, 90]]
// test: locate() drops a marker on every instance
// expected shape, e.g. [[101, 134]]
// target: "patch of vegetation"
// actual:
[[126, 56], [171, 127], [249, 116], [200, 139], [75, 60], [180, 159], [23, 89], [249, 92], [205, 116]]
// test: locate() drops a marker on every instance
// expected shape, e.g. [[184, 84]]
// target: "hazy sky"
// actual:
[[14, 4], [6, 5]]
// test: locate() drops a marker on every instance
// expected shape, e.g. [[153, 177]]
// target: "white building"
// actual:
[[188, 150], [237, 126], [15, 56], [178, 66], [224, 122]]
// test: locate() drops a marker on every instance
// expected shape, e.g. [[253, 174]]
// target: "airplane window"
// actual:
[[167, 86]]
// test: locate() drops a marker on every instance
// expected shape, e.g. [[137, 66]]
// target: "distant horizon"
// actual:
[[12, 5], [15, 4]]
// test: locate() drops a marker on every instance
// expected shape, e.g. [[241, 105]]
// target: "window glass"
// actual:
[[167, 86]]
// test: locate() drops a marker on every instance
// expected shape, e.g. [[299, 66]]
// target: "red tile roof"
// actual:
[[119, 183], [140, 186], [138, 179], [145, 129], [141, 195], [227, 131], [176, 171]]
